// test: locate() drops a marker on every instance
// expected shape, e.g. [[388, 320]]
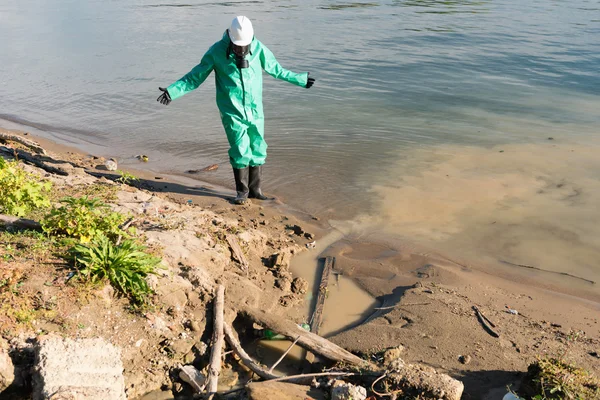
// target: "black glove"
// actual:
[[310, 82], [164, 98]]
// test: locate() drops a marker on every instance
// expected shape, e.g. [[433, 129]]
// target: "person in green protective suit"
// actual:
[[238, 60]]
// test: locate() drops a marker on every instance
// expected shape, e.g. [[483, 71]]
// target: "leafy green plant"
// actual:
[[125, 266], [21, 191], [83, 218], [127, 178]]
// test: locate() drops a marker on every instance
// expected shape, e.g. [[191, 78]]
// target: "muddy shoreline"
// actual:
[[415, 298]]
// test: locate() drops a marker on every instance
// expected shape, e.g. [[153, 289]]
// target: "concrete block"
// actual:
[[77, 369]]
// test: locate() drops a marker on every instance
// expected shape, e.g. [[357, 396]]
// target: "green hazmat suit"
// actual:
[[239, 96]]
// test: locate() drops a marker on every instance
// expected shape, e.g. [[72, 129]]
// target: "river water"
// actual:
[[468, 126]]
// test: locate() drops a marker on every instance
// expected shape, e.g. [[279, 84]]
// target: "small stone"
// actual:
[[201, 348], [284, 284], [347, 391], [297, 230], [464, 359], [299, 286]]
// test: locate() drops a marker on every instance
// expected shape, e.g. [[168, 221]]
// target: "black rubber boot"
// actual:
[[254, 184], [241, 185]]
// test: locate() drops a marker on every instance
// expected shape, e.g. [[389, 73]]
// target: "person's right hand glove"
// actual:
[[310, 82], [164, 98]]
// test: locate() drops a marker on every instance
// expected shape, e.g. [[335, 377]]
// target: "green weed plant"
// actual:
[[125, 266], [128, 179], [84, 219], [21, 192]]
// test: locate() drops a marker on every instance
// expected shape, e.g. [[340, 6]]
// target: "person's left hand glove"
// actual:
[[310, 82], [164, 98]]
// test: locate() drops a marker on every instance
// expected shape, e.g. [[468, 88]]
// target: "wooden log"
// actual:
[[8, 221], [25, 142], [238, 254], [246, 359], [317, 316], [308, 340], [23, 155], [214, 368]]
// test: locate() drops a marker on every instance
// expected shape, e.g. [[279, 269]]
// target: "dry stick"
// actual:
[[305, 377], [551, 272], [26, 142], [246, 359], [484, 321], [214, 368], [19, 223], [283, 355]]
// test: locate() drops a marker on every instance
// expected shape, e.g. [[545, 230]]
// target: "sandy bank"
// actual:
[[423, 300]]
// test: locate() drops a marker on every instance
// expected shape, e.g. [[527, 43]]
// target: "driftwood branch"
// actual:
[[8, 221], [246, 359], [487, 324], [214, 368], [317, 317], [28, 157], [308, 340], [25, 142]]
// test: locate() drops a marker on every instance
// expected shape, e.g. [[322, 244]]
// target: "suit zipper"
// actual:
[[243, 93]]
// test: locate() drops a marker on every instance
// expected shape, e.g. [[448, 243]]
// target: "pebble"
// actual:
[[464, 359]]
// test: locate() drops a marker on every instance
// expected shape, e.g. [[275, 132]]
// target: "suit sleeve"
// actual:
[[273, 68], [192, 79]]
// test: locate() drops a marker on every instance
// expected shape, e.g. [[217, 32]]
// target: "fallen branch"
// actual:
[[23, 155], [8, 221], [214, 368], [246, 359], [308, 340], [25, 142]]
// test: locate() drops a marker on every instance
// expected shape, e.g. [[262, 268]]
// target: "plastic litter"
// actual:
[[511, 310], [311, 245], [510, 396], [111, 164]]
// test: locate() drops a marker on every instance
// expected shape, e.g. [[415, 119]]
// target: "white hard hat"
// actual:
[[241, 32]]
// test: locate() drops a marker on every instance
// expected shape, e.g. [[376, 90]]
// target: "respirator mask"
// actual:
[[240, 53]]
